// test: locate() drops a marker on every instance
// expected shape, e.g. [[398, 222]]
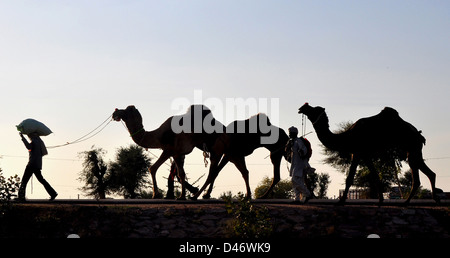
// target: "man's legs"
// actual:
[[296, 188], [46, 185], [23, 184], [300, 188]]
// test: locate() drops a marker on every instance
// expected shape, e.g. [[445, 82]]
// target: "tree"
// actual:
[[387, 164], [316, 183], [338, 160], [282, 190], [95, 173], [8, 187], [324, 181], [405, 183], [129, 173]]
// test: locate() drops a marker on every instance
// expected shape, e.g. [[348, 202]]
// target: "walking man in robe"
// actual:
[[36, 150], [297, 154]]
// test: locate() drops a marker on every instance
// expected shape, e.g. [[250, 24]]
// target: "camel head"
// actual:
[[311, 112], [130, 114], [314, 114]]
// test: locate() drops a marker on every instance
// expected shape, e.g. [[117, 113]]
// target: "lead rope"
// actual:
[[303, 125], [205, 155], [87, 136]]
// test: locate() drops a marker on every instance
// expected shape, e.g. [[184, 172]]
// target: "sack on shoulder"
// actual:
[[29, 126]]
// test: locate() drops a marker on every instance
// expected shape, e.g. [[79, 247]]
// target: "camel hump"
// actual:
[[406, 126], [193, 109], [390, 112], [262, 118]]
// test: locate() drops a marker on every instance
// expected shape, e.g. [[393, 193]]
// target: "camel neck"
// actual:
[[147, 140], [143, 138], [329, 139]]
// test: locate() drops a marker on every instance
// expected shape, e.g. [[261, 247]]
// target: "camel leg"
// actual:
[[374, 177], [414, 164], [188, 186], [208, 181], [432, 177], [415, 183], [349, 180], [213, 172], [153, 169], [192, 189], [179, 160], [170, 182], [219, 168], [242, 167], [416, 160], [276, 161]]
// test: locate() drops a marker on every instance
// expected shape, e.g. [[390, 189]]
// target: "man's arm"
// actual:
[[302, 150], [27, 144]]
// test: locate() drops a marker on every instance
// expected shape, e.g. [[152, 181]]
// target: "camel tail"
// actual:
[[424, 141]]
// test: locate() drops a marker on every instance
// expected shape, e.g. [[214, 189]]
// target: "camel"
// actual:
[[240, 140], [173, 144], [371, 137]]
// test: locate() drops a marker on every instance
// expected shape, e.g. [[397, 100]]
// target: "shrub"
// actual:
[[8, 187], [249, 221]]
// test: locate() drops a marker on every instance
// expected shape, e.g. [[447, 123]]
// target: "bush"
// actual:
[[282, 190], [8, 187], [249, 221]]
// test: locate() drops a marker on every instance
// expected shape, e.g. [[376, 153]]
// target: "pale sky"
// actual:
[[69, 64]]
